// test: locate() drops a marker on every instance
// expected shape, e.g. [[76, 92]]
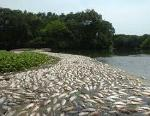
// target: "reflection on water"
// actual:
[[135, 64]]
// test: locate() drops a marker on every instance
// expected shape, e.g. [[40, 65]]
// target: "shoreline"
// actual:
[[76, 85], [142, 78]]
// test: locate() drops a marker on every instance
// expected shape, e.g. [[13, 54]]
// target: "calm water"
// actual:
[[134, 64]]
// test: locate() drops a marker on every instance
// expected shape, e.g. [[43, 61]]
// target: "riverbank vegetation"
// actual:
[[10, 61], [85, 30], [131, 42], [81, 30]]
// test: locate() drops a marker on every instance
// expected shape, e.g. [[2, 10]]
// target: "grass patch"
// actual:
[[12, 62]]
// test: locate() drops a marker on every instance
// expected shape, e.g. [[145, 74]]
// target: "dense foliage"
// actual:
[[81, 30], [131, 42], [10, 61], [146, 42]]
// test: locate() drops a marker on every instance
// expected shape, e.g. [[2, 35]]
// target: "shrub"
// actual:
[[10, 61], [146, 44]]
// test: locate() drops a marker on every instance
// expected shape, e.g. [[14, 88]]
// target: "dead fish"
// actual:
[[29, 106], [90, 100], [99, 101], [62, 114], [55, 101], [62, 95], [55, 94], [73, 98], [73, 92], [63, 102], [83, 113], [89, 110], [68, 109], [119, 103], [82, 96], [2, 100], [49, 109], [56, 106]]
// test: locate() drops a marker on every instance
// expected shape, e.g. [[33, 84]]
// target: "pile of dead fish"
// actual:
[[75, 86]]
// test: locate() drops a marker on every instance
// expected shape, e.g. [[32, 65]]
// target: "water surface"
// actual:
[[134, 64]]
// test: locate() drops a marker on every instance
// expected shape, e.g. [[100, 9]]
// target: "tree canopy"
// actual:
[[131, 42], [81, 30]]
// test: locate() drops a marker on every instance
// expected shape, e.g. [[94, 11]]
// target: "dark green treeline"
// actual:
[[131, 42], [82, 30]]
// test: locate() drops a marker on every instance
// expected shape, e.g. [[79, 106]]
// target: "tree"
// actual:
[[58, 35], [81, 30], [90, 31], [146, 44]]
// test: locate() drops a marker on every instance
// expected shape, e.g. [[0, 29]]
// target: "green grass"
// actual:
[[12, 62]]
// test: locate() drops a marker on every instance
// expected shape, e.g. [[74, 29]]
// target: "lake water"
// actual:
[[134, 64]]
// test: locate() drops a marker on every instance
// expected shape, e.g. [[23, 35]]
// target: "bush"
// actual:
[[58, 35], [10, 61], [146, 44]]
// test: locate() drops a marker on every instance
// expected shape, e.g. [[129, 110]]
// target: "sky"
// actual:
[[127, 16]]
